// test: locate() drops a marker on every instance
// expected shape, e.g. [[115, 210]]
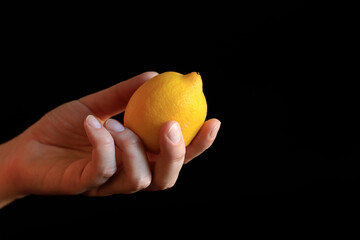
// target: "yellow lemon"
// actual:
[[167, 96]]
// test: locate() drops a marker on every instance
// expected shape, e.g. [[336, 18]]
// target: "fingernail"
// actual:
[[215, 130], [93, 122], [174, 133], [114, 125]]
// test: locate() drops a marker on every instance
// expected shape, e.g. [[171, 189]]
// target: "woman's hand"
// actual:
[[77, 148]]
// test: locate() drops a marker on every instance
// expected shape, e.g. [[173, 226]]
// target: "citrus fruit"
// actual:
[[167, 96]]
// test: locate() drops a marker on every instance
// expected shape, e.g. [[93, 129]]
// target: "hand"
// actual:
[[77, 148]]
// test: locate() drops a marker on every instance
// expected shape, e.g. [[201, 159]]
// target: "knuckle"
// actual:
[[138, 183], [202, 146], [108, 172], [91, 192], [163, 186], [132, 141], [178, 157], [107, 140], [167, 186], [129, 139]]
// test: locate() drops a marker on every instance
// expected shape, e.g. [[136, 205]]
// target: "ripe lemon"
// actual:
[[167, 96]]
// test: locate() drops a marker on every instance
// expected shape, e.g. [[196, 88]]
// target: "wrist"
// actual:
[[8, 191]]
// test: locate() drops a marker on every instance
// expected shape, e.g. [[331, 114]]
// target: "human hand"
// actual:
[[77, 148]]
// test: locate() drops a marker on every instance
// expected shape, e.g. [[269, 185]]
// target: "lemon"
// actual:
[[167, 96]]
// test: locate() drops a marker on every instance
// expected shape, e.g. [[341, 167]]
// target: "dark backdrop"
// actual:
[[274, 74]]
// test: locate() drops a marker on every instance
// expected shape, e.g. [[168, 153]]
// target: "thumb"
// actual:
[[113, 100]]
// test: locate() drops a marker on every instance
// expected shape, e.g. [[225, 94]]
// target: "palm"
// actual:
[[61, 148]]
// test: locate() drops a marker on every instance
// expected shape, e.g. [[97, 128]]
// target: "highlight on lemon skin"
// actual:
[[167, 96]]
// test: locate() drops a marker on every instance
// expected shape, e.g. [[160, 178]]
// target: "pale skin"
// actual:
[[77, 148]]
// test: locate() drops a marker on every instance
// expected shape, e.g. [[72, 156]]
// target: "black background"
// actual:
[[275, 74]]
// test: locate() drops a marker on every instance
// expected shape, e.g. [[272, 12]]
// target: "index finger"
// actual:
[[113, 100]]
